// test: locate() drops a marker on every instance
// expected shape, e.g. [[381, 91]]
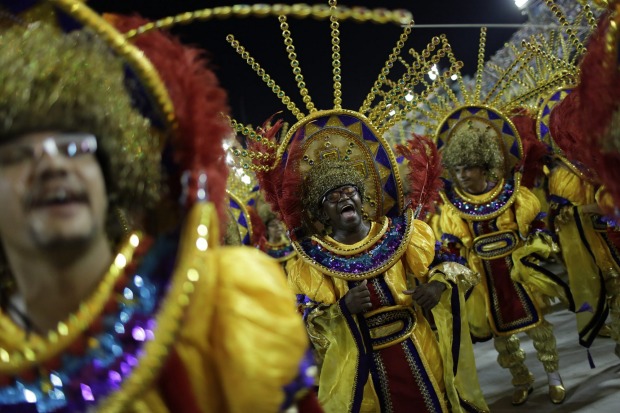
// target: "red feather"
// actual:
[[534, 151], [198, 102], [424, 172], [270, 180], [290, 205], [599, 92], [258, 227]]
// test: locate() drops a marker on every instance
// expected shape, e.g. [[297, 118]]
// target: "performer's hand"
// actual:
[[427, 295], [357, 299]]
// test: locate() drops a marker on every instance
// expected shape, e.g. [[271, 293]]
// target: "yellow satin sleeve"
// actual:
[[242, 332], [451, 223], [565, 183], [526, 207], [421, 249]]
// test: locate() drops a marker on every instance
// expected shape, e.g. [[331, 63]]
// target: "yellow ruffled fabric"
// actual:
[[582, 267], [242, 332], [336, 347], [242, 339]]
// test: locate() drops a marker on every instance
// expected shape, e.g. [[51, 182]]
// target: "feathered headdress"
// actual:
[[195, 148]]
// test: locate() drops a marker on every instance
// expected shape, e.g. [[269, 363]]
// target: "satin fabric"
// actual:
[[517, 218], [586, 255], [241, 341], [337, 350]]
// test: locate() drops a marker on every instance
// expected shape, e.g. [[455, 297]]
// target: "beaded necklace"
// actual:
[[90, 353]]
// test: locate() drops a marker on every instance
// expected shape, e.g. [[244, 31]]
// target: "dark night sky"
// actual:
[[364, 47]]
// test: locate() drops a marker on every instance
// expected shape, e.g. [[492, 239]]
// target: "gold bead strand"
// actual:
[[292, 56], [562, 19], [386, 69], [452, 59], [480, 68], [508, 77], [299, 11], [523, 56], [290, 105], [336, 63]]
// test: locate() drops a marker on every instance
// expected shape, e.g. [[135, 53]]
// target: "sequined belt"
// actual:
[[390, 325], [496, 245]]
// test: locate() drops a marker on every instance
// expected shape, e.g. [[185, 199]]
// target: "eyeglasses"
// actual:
[[336, 195], [70, 145]]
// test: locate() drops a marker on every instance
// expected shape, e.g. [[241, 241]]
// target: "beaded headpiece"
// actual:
[[327, 175], [474, 143], [164, 82], [337, 134]]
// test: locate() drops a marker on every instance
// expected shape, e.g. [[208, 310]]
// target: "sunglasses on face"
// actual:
[[336, 195], [70, 145]]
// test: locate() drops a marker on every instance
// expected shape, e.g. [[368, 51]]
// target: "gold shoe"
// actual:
[[605, 331], [557, 394], [520, 394]]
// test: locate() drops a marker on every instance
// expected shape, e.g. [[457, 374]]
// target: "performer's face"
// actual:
[[471, 179], [53, 191], [342, 208], [275, 230]]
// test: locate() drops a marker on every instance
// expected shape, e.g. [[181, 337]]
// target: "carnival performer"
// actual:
[[366, 283], [589, 239], [95, 315], [495, 225]]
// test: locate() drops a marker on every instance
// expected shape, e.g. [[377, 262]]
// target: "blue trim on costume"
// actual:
[[299, 384], [363, 367], [426, 383]]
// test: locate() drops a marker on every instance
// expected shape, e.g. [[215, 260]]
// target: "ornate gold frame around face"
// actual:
[[510, 144], [356, 141], [543, 132]]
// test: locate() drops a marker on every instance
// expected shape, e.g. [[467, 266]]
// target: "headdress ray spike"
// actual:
[[507, 76], [292, 56], [336, 69], [559, 14], [290, 105], [453, 61], [480, 68], [386, 69]]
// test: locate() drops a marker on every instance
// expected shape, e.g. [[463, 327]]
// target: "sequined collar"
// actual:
[[281, 252], [373, 255], [482, 207], [98, 349]]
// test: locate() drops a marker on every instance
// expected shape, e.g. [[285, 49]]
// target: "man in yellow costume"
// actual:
[[588, 239], [366, 281], [494, 224], [96, 315]]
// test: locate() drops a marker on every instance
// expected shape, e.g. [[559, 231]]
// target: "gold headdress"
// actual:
[[537, 69], [340, 135], [74, 82]]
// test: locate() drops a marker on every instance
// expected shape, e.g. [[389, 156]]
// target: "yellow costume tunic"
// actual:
[[336, 334], [213, 331], [511, 293], [587, 252]]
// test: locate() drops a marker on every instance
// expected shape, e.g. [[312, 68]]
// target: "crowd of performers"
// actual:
[[121, 285]]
